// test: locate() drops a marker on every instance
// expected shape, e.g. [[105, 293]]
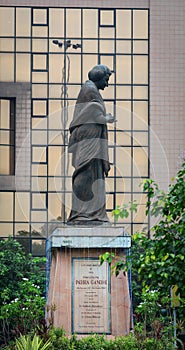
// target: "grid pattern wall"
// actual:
[[53, 49], [167, 85]]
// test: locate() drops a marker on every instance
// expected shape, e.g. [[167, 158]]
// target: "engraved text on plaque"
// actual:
[[90, 296]]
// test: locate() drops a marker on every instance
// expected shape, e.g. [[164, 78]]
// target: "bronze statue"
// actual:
[[88, 144]]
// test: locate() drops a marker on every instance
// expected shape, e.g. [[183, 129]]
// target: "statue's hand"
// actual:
[[110, 118], [106, 167]]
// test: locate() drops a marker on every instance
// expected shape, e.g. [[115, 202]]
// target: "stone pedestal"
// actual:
[[88, 298]]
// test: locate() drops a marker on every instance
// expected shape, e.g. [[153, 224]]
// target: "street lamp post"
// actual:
[[64, 114]]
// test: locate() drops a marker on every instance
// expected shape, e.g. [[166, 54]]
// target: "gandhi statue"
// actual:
[[88, 144]]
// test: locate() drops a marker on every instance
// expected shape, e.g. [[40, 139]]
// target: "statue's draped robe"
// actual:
[[88, 144]]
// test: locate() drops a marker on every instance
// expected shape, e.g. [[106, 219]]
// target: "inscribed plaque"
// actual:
[[90, 296]]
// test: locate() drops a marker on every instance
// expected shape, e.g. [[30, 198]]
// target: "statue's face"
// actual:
[[103, 82]]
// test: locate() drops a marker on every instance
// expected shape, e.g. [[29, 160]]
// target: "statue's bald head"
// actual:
[[98, 72]]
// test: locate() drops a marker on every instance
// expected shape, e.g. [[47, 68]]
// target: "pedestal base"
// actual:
[[87, 297]]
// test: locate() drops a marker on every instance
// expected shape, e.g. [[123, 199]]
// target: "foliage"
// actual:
[[148, 309], [161, 259], [21, 290], [92, 342], [123, 265], [157, 263], [15, 264], [118, 264], [162, 263], [59, 341], [128, 342], [27, 343], [123, 212], [154, 315], [24, 312]]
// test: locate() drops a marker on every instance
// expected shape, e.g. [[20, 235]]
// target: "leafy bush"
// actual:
[[22, 314], [15, 264], [27, 343], [162, 264], [151, 343], [59, 340], [128, 342], [22, 286], [92, 342], [157, 263]]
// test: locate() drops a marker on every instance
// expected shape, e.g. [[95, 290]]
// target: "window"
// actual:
[[7, 136]]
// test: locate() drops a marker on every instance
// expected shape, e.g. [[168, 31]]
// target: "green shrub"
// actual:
[[157, 344], [92, 342], [21, 291], [128, 342], [24, 313], [59, 341], [28, 343]]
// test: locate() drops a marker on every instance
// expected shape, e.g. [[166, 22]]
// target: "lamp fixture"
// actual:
[[67, 43]]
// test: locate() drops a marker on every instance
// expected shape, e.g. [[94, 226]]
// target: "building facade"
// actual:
[[46, 51]]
